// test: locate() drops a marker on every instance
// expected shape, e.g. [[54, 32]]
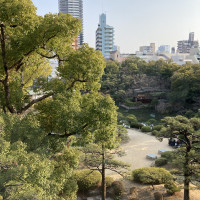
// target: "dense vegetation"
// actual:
[[178, 85], [39, 133]]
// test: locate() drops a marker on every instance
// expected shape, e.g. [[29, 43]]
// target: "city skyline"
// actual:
[[137, 22]]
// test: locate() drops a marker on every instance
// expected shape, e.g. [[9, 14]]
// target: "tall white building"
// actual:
[[104, 37], [75, 8]]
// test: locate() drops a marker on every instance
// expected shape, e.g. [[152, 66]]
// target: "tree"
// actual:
[[97, 157], [40, 130], [185, 84], [28, 42], [188, 156]]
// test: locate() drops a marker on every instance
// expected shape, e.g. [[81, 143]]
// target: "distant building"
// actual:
[[164, 49], [173, 50], [104, 37], [184, 46], [153, 45], [115, 55], [75, 8], [148, 49]]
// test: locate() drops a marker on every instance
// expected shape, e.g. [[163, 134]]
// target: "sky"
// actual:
[[137, 22]]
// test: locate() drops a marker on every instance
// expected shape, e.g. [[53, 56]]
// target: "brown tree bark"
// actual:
[[103, 176]]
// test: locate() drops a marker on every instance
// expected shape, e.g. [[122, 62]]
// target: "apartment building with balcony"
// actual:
[[104, 37]]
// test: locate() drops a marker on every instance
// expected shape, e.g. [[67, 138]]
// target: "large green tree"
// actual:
[[188, 155], [37, 159]]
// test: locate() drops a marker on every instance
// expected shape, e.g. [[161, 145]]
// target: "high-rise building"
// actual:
[[191, 36], [184, 46], [104, 37], [75, 8]]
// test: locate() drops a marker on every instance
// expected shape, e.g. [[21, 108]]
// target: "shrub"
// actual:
[[169, 155], [155, 133], [146, 129], [151, 175], [151, 122], [137, 125], [109, 181], [176, 171], [118, 188], [157, 128], [160, 162], [87, 179], [171, 188], [132, 120]]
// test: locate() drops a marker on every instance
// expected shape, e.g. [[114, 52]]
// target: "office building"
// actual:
[[104, 37], [75, 8], [184, 46]]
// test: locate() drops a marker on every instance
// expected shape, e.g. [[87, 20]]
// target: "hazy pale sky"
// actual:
[[137, 22]]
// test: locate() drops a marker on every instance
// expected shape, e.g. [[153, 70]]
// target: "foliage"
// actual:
[[151, 175], [169, 155], [122, 134], [187, 156], [157, 127], [132, 120], [130, 103], [185, 84], [160, 162], [93, 158], [87, 179], [151, 122], [19, 170], [118, 188], [44, 115], [155, 133], [109, 181], [171, 188], [146, 129]]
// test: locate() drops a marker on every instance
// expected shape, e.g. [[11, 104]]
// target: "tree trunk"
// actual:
[[186, 176], [103, 176]]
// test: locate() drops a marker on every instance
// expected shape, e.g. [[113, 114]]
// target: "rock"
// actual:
[[158, 196]]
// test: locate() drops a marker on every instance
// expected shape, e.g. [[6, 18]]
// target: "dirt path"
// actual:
[[138, 147]]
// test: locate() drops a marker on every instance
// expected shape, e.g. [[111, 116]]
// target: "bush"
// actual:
[[157, 128], [176, 172], [132, 120], [160, 162], [146, 129], [155, 133], [169, 155], [171, 188], [118, 188], [109, 181], [151, 122], [137, 125], [87, 179], [151, 175]]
